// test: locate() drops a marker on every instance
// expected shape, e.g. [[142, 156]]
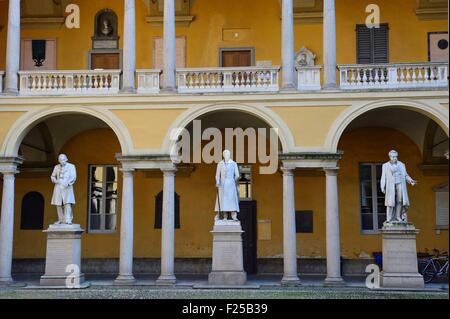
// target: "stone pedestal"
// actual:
[[227, 261], [400, 269], [63, 261]]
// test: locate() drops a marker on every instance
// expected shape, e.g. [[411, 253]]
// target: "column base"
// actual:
[[330, 87], [6, 281], [11, 92], [334, 282], [290, 281], [166, 280], [128, 90], [124, 280], [288, 88]]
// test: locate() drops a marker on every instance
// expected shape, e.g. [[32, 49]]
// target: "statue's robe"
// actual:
[[227, 175], [63, 191], [387, 182]]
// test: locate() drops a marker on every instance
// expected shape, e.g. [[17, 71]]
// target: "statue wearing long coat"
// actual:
[[387, 182], [227, 175], [63, 177]]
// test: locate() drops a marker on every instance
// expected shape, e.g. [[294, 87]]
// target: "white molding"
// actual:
[[27, 121], [263, 113], [435, 112]]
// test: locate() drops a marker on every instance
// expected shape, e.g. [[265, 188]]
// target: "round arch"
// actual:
[[24, 124], [434, 112], [264, 114]]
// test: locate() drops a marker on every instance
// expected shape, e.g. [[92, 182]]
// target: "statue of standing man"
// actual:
[[227, 177], [64, 176], [393, 184]]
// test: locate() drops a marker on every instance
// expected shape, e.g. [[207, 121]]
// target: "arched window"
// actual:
[[32, 215], [158, 210]]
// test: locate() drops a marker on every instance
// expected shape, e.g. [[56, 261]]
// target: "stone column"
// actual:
[[290, 276], [13, 48], [168, 229], [329, 44], [7, 227], [126, 231], [129, 47], [332, 229], [169, 41], [287, 45]]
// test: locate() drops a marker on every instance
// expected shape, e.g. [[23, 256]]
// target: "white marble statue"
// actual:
[[64, 176], [227, 177], [393, 184]]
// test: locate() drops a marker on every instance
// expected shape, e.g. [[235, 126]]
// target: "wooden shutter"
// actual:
[[372, 45], [381, 44]]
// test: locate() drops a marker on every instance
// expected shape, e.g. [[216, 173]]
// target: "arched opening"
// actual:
[[246, 135], [366, 142], [91, 145]]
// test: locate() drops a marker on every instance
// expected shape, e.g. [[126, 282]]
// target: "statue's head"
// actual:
[[62, 159], [226, 155], [393, 156]]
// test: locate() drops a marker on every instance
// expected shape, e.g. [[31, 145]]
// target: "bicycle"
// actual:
[[435, 267]]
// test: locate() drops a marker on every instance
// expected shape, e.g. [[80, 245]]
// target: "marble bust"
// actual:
[[106, 27], [227, 176], [64, 176], [393, 184]]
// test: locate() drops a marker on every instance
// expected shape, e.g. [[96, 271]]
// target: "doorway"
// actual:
[[236, 57], [247, 216]]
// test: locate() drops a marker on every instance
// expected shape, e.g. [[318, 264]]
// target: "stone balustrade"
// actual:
[[2, 73], [393, 76], [217, 80], [308, 78], [148, 81], [67, 82]]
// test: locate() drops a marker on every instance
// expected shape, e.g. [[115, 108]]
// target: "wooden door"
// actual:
[[105, 61], [247, 216], [236, 58]]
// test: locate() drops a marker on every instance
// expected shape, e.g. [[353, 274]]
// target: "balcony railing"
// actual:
[[148, 81], [84, 82], [393, 76], [234, 80], [217, 80], [308, 78], [2, 73]]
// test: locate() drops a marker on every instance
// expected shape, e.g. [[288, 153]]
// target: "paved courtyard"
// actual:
[[195, 287]]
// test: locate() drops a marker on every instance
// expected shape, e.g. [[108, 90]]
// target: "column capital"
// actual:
[[169, 171], [288, 171], [8, 165], [127, 171], [331, 171]]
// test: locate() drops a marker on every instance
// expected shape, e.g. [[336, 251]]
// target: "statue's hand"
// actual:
[[413, 182], [383, 191]]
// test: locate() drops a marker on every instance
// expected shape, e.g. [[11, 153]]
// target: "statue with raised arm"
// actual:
[[227, 176], [393, 184], [64, 176]]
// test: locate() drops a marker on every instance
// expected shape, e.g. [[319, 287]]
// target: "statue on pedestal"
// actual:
[[393, 184], [227, 176], [64, 176]]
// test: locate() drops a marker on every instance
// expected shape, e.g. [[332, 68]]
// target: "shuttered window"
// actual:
[[441, 206], [372, 45]]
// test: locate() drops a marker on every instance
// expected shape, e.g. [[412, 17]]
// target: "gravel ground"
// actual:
[[152, 293]]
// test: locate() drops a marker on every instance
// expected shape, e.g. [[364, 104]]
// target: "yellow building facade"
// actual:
[[372, 107]]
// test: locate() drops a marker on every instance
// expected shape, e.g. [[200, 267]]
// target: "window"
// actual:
[[304, 221], [372, 45], [441, 192], [373, 211], [245, 182], [158, 210], [103, 198], [32, 214]]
